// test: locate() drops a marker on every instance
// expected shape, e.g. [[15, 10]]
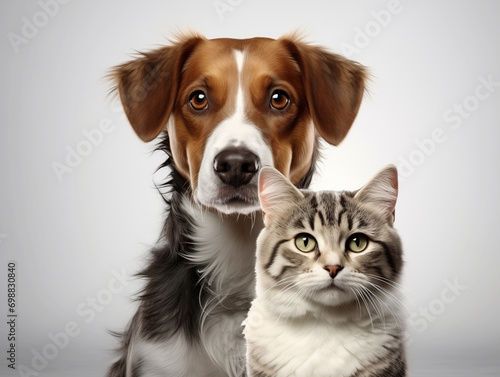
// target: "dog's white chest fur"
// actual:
[[225, 247], [309, 346]]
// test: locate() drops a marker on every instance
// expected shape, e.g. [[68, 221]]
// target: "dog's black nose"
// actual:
[[236, 166]]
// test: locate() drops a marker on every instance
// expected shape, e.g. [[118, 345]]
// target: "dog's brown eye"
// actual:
[[198, 100], [279, 100]]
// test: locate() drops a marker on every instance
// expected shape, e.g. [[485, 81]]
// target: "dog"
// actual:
[[221, 109]]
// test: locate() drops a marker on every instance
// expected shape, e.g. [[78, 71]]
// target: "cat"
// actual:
[[327, 282]]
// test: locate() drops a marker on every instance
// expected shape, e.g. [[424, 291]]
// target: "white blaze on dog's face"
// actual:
[[234, 152], [231, 106]]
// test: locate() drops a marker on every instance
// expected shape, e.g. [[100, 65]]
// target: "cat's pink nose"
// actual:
[[333, 270]]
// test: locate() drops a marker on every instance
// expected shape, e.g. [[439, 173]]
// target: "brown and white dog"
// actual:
[[225, 108]]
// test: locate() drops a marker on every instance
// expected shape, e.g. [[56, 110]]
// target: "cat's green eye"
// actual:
[[305, 242], [357, 243]]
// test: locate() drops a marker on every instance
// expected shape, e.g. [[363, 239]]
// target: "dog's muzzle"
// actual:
[[228, 175], [236, 166]]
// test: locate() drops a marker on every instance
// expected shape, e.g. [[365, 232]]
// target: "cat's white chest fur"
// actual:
[[309, 346]]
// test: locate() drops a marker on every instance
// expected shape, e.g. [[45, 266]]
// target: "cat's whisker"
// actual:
[[378, 286], [400, 287], [292, 301], [357, 302], [289, 284], [285, 280], [285, 291], [374, 301], [288, 300], [362, 296], [406, 304], [289, 303], [390, 296], [286, 287]]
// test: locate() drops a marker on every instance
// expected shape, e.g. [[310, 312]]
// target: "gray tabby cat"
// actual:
[[328, 265]]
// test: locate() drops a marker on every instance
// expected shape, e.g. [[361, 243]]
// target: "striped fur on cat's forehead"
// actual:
[[278, 195], [334, 213], [336, 210], [324, 208]]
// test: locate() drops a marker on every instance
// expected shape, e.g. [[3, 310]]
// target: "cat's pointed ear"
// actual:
[[381, 192], [276, 192]]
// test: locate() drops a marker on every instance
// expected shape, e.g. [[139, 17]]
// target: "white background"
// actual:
[[71, 236]]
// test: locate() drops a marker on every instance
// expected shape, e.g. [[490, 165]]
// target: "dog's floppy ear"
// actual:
[[334, 88], [148, 86]]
